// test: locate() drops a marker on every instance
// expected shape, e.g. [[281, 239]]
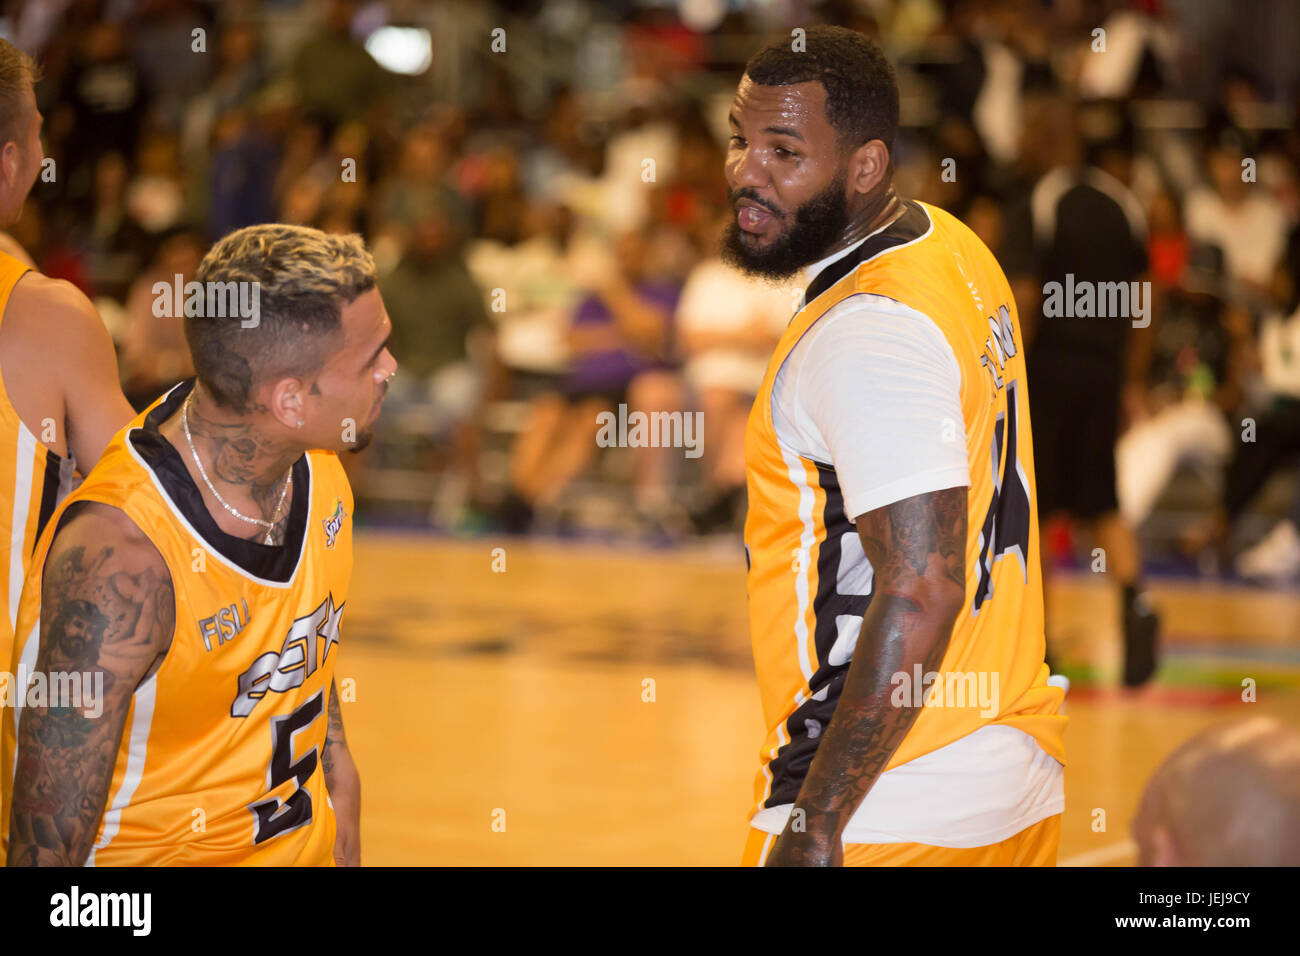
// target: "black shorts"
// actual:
[[1074, 409]]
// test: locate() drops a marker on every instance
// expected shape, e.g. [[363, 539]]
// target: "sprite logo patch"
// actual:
[[333, 523]]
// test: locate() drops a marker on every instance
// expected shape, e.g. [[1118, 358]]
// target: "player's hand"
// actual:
[[806, 849]]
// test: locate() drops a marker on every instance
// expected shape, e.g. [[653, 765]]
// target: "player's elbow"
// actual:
[[941, 599]]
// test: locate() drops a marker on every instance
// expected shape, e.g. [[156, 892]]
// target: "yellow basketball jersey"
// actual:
[[33, 480], [931, 262], [220, 758]]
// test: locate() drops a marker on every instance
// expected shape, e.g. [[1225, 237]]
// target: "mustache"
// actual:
[[735, 195]]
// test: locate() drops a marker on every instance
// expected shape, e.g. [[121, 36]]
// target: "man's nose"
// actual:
[[746, 170]]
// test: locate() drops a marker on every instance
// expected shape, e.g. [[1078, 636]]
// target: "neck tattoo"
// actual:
[[269, 538]]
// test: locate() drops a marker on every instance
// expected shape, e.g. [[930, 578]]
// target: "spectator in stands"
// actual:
[[441, 328], [336, 78], [1271, 440], [1202, 346], [1239, 216], [728, 323], [1082, 226], [102, 102], [152, 355], [623, 353], [116, 243], [242, 175]]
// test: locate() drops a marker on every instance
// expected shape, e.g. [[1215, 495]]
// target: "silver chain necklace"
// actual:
[[288, 480]]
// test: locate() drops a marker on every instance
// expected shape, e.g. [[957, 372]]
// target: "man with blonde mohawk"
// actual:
[[214, 515]]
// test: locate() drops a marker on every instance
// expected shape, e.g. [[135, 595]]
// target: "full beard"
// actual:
[[818, 223]]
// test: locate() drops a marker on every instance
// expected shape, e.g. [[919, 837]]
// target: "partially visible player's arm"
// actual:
[[344, 784], [70, 327], [917, 550], [108, 613]]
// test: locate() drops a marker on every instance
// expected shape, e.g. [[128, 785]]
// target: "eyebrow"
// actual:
[[382, 346], [775, 130], [785, 131]]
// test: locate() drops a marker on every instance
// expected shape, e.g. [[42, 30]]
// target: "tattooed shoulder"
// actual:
[[107, 609]]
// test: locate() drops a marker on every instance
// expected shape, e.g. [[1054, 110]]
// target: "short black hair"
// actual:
[[861, 90]]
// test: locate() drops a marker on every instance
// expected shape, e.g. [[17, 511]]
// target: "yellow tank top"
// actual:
[[219, 762], [33, 480], [930, 261]]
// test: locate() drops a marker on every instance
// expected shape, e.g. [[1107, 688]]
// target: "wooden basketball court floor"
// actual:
[[505, 717]]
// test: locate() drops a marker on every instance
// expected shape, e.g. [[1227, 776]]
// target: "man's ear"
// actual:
[[9, 163], [868, 167], [286, 402], [1162, 849]]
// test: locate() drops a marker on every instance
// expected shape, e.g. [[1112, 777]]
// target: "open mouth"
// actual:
[[753, 218]]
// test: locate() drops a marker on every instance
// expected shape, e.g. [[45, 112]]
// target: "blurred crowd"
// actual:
[[544, 202]]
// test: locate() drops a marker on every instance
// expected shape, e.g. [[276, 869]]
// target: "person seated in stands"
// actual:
[[622, 353]]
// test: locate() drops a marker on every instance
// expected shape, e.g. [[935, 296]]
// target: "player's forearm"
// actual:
[[64, 770], [898, 632], [343, 781], [917, 551]]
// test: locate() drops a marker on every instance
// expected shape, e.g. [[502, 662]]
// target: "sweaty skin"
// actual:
[[783, 155]]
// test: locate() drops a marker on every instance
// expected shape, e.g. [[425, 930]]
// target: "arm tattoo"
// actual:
[[106, 614], [901, 539], [917, 548], [333, 731]]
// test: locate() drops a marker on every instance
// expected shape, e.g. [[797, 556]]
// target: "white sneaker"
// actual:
[[1276, 556]]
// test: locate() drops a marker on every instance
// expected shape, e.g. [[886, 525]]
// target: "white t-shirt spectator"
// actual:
[[718, 298], [1252, 234]]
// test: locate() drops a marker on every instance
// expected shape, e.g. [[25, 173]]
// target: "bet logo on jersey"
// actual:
[[306, 647]]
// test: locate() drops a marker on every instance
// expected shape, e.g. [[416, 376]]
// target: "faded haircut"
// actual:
[[304, 278]]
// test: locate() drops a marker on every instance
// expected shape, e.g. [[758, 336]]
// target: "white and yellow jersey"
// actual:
[[803, 549], [219, 762]]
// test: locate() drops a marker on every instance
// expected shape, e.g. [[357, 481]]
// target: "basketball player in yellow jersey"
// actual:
[[59, 396], [895, 597], [201, 572]]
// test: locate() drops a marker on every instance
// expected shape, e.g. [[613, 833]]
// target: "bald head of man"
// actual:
[[1230, 796]]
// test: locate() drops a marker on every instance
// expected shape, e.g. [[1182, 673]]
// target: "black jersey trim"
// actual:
[[913, 224]]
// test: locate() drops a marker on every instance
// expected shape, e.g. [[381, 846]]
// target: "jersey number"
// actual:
[[1006, 526], [272, 816]]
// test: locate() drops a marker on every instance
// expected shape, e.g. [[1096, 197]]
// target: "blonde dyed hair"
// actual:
[[18, 74], [291, 261], [304, 278]]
